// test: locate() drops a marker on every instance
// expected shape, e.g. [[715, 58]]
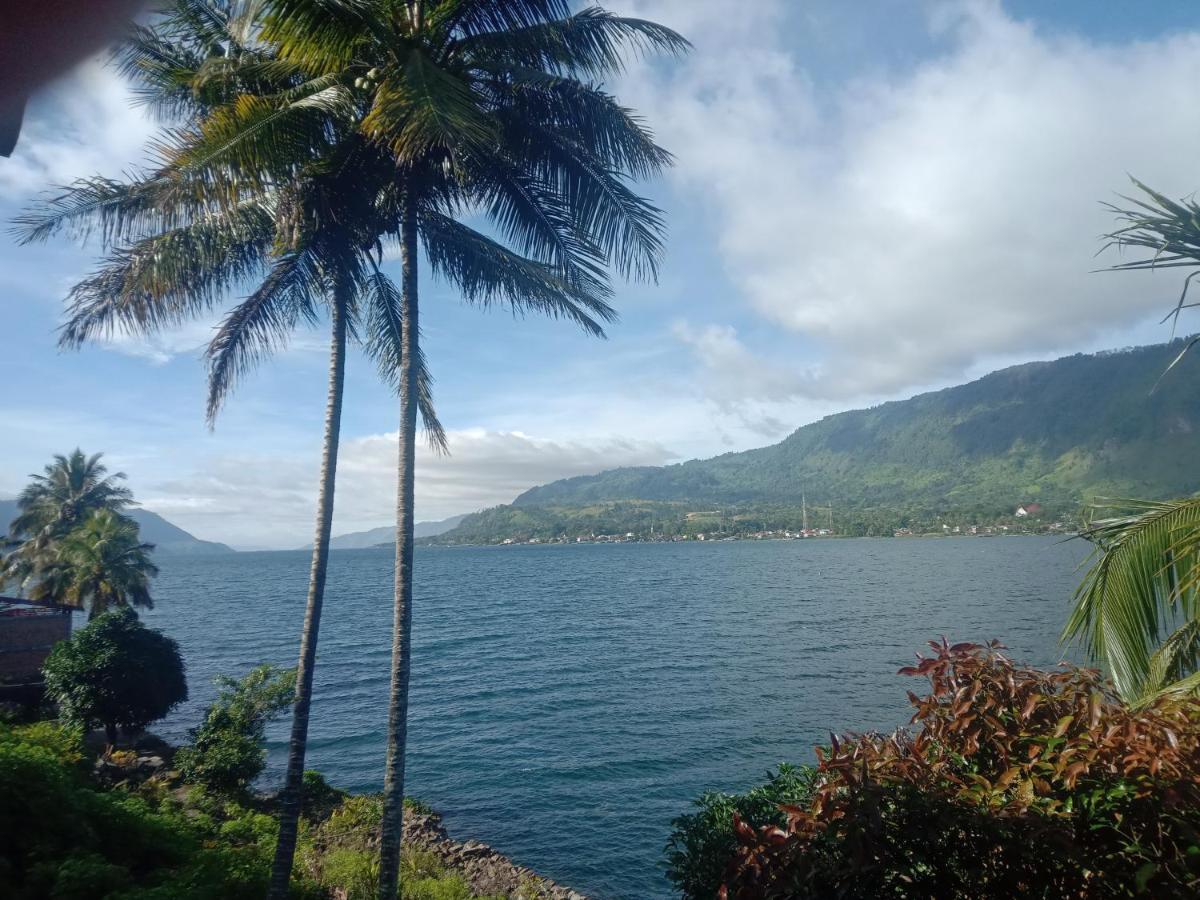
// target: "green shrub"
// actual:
[[356, 820], [226, 753], [442, 887], [354, 871], [320, 797], [66, 838], [1015, 782], [417, 864], [701, 842], [86, 877], [116, 673]]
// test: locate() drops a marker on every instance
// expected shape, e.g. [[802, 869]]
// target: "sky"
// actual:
[[869, 200]]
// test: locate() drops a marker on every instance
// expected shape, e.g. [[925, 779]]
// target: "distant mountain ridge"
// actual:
[[152, 527], [386, 534], [1059, 432]]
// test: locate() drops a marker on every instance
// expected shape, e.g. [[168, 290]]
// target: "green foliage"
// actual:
[[76, 543], [62, 835], [320, 797], [422, 875], [116, 672], [70, 490], [354, 871], [65, 837], [100, 564], [420, 807], [340, 853], [1015, 782], [1138, 608], [702, 842], [226, 753]]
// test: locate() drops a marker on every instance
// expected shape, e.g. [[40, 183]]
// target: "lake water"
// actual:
[[569, 701]]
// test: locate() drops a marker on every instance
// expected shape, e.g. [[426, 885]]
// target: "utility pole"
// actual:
[[804, 510]]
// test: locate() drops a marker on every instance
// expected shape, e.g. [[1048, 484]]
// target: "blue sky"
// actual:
[[871, 199]]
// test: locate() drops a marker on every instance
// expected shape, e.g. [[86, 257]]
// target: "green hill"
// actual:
[[1060, 433]]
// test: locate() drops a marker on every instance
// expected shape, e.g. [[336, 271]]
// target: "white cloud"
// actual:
[[270, 501], [915, 224], [83, 124], [733, 374]]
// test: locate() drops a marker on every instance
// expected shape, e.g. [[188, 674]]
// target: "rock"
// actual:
[[485, 869]]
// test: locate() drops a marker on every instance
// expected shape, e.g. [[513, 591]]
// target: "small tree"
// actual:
[[226, 753], [117, 673]]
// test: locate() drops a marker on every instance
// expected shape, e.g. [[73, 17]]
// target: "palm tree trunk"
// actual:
[[393, 784], [291, 799]]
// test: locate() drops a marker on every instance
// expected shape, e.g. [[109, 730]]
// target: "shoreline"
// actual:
[[1064, 535], [486, 870]]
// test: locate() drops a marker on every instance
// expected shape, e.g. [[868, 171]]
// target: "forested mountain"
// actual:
[[1059, 433], [152, 527]]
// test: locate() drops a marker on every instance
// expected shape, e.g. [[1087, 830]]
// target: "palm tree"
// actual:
[[53, 504], [100, 564], [1137, 610], [71, 489], [182, 235], [493, 108], [431, 111]]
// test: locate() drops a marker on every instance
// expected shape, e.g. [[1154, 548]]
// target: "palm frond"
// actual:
[[322, 35], [265, 138], [539, 223], [487, 272], [262, 323], [115, 210], [1176, 659], [167, 278], [593, 42], [473, 17], [159, 70], [1142, 582], [384, 331], [629, 228], [1170, 229], [420, 108], [581, 113]]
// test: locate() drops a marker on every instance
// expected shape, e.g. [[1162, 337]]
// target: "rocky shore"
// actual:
[[486, 870]]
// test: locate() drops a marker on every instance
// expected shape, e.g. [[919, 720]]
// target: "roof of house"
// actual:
[[18, 605]]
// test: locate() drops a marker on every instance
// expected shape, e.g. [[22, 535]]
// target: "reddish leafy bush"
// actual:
[[1015, 782]]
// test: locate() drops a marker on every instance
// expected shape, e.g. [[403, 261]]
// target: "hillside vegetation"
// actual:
[[1059, 433]]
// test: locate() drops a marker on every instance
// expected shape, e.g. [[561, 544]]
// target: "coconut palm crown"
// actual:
[[70, 489], [99, 565]]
